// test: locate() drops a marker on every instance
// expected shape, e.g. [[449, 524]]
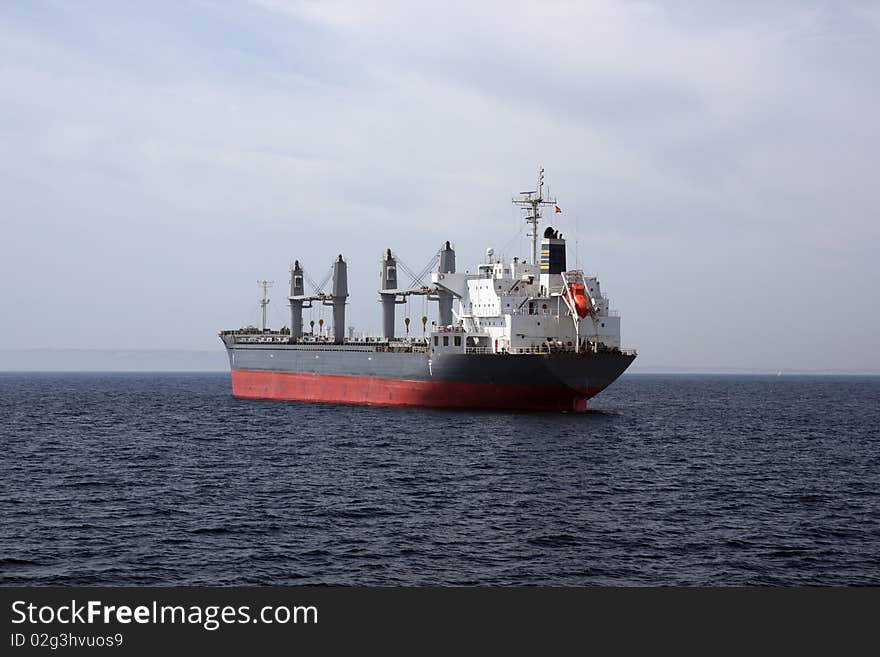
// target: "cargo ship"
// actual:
[[524, 335]]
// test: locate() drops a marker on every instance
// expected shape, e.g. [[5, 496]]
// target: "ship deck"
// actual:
[[281, 340]]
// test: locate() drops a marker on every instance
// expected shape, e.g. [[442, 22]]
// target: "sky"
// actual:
[[716, 163]]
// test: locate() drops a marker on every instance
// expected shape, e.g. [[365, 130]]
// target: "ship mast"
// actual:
[[531, 202], [265, 300]]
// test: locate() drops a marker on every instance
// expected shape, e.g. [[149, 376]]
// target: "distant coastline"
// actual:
[[214, 360], [112, 360]]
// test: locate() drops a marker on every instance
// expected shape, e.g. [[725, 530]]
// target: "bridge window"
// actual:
[[457, 340], [445, 340], [436, 341]]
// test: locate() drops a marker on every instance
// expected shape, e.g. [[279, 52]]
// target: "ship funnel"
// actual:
[[552, 257], [444, 297], [296, 290], [339, 294], [388, 281], [552, 252]]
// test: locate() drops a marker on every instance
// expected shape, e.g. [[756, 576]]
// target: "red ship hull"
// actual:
[[339, 389]]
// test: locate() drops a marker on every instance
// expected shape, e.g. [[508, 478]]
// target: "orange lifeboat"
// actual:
[[582, 302]]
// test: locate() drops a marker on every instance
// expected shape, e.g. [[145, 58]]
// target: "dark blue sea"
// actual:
[[165, 479]]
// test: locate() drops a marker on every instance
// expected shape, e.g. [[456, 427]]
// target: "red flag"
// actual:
[[558, 209]]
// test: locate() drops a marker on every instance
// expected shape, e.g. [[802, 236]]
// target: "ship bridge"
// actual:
[[520, 307]]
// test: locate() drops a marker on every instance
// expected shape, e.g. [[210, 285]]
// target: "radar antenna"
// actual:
[[265, 300], [531, 203]]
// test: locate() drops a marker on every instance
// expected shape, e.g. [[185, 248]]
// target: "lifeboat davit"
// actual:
[[582, 302]]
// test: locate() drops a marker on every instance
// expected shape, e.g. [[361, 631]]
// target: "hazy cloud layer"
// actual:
[[717, 162]]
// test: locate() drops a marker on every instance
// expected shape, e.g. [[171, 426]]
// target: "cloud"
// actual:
[[705, 152]]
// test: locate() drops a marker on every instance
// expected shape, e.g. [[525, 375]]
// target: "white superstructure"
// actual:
[[520, 307]]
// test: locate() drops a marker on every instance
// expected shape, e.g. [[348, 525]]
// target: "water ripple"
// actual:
[[167, 480]]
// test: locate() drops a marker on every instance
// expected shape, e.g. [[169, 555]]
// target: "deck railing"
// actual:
[[411, 345]]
